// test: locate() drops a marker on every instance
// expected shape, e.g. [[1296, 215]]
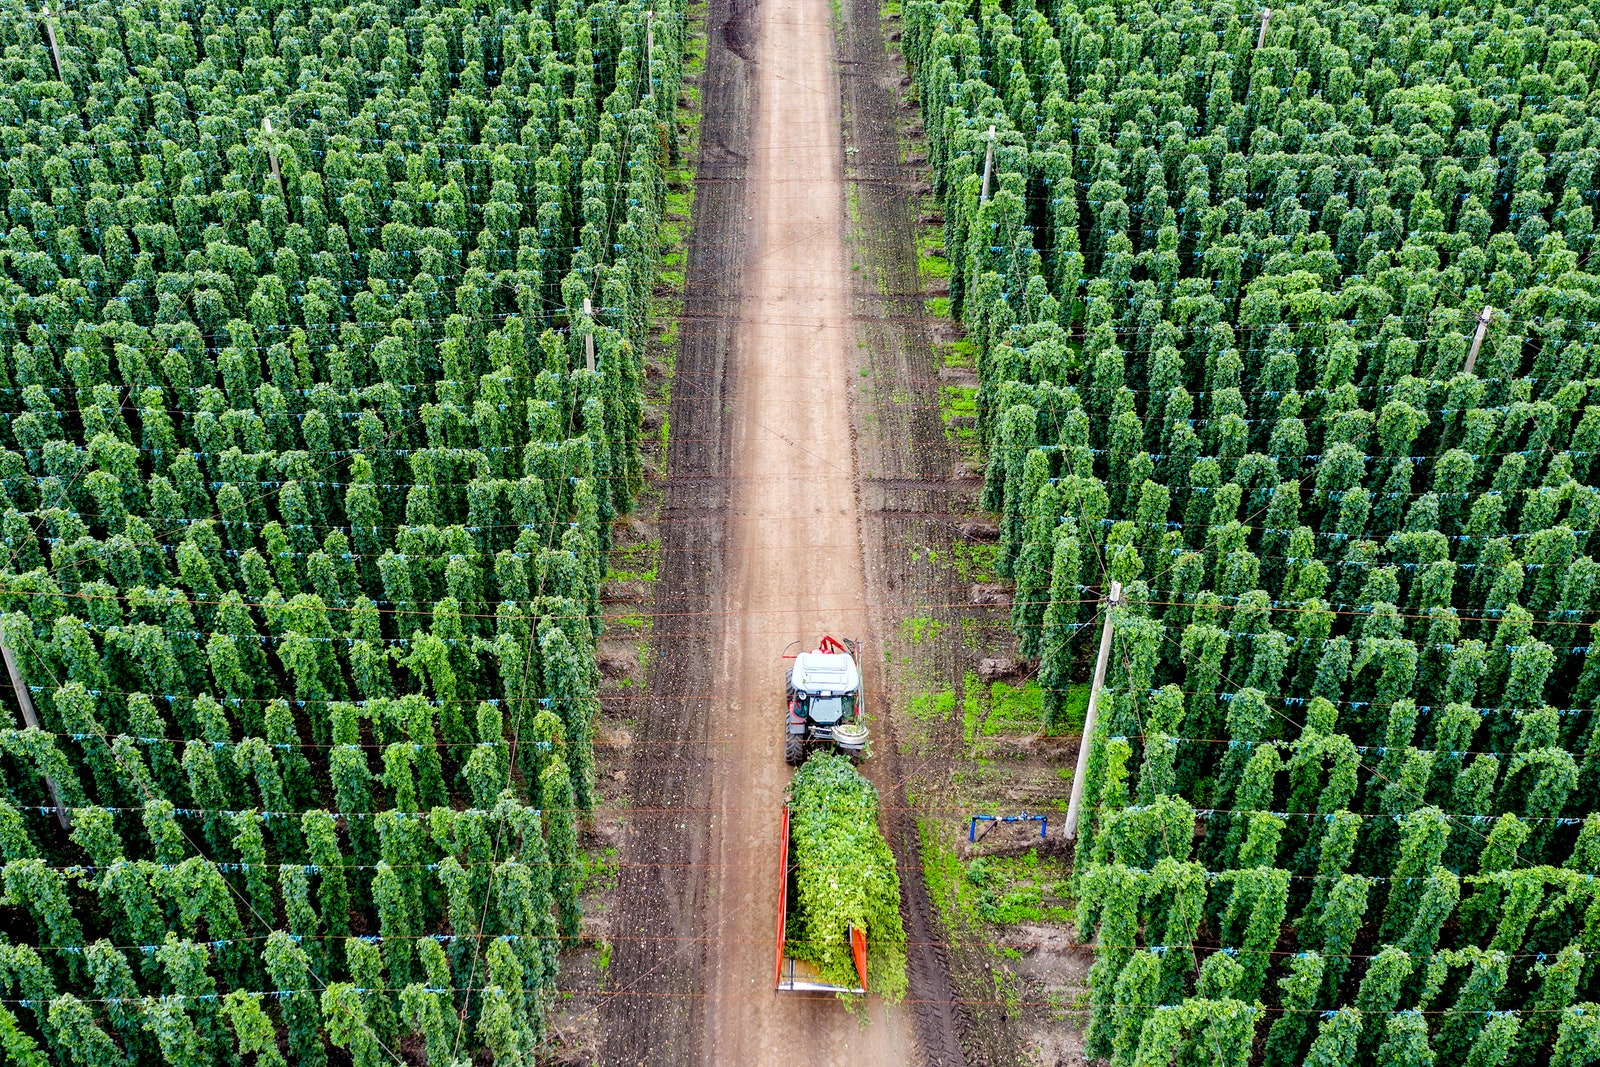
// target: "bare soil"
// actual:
[[654, 1003], [761, 545]]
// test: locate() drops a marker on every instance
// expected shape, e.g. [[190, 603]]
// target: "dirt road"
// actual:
[[763, 538], [793, 566]]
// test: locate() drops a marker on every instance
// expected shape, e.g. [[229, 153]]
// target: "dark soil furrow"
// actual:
[[913, 490], [662, 1025]]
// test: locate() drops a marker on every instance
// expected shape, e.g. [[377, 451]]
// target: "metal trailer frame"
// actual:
[[799, 976]]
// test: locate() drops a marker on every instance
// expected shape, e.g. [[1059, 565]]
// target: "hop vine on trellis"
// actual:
[[1223, 295], [305, 493]]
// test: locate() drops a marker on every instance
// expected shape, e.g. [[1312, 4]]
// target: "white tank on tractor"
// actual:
[[825, 704]]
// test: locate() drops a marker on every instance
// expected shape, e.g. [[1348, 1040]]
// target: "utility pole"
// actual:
[[1071, 830], [25, 701], [588, 338], [1477, 339], [50, 36], [988, 167], [650, 51], [272, 157], [1266, 17]]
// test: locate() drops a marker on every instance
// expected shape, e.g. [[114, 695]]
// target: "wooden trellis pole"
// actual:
[[25, 702], [50, 38], [1477, 339], [1070, 832], [988, 168], [272, 158], [588, 338]]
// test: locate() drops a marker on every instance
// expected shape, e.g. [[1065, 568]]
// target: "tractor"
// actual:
[[825, 705]]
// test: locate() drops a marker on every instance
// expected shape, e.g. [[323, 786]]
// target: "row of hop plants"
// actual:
[[307, 480], [452, 938], [1309, 569], [1270, 911], [1223, 289], [1330, 871]]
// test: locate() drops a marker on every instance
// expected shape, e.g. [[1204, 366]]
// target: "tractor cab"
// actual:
[[824, 694]]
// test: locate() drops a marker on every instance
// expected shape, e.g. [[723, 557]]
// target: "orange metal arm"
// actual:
[[783, 892], [858, 949]]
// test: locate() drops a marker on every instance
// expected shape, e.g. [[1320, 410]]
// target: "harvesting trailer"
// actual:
[[824, 694], [798, 975]]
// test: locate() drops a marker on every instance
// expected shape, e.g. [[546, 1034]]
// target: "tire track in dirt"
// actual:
[[656, 1015], [915, 496]]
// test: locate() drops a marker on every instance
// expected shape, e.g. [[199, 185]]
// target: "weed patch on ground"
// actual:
[[959, 405], [1003, 710], [931, 708], [1007, 890], [962, 353], [975, 561], [920, 628], [635, 563], [599, 870]]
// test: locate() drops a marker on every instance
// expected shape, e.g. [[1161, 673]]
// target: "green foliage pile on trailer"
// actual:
[[845, 878], [306, 483], [1225, 289]]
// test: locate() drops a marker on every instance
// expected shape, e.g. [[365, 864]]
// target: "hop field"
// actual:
[[320, 334], [1228, 276]]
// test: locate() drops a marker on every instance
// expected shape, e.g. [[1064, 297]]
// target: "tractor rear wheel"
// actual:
[[794, 750]]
